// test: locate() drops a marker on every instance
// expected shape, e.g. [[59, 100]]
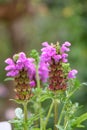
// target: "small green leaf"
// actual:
[[80, 126], [60, 127], [19, 101], [9, 78], [44, 97], [35, 129], [77, 83], [79, 120], [84, 84]]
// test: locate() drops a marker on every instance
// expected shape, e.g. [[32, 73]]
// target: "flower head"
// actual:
[[56, 58], [22, 69]]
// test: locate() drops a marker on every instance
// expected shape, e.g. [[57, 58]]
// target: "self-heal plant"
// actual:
[[56, 57], [22, 69], [45, 77]]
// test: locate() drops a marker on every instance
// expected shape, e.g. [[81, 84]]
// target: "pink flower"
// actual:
[[48, 52], [22, 62], [72, 74], [43, 71], [64, 47]]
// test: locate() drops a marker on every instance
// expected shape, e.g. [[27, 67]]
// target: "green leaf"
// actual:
[[9, 78], [60, 127], [35, 129], [80, 126], [49, 129], [19, 101], [79, 120], [34, 54], [44, 97], [84, 84], [77, 83]]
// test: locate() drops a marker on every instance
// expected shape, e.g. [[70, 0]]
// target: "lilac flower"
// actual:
[[64, 57], [57, 57], [64, 47], [14, 67], [23, 71], [43, 71], [32, 83], [47, 52], [11, 68], [72, 73], [27, 64]]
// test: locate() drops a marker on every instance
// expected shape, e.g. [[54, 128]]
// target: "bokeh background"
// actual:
[[25, 24]]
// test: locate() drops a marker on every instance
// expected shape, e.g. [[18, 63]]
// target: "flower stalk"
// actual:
[[25, 116], [55, 113], [48, 115], [38, 86]]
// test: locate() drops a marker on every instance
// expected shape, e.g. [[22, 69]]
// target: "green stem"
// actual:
[[48, 115], [55, 114], [62, 112], [25, 116], [38, 85], [65, 124]]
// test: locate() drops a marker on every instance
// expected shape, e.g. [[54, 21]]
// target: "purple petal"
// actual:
[[64, 47], [67, 44], [10, 67], [64, 57], [32, 83], [9, 61], [72, 73], [12, 73], [45, 44], [57, 57]]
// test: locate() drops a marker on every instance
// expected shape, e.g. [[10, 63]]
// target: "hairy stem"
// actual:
[[25, 116], [55, 114], [39, 103]]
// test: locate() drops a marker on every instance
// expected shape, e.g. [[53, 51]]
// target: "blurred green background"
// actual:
[[38, 21]]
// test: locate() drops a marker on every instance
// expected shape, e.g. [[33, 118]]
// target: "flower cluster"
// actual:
[[23, 70], [30, 74], [55, 56], [50, 68]]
